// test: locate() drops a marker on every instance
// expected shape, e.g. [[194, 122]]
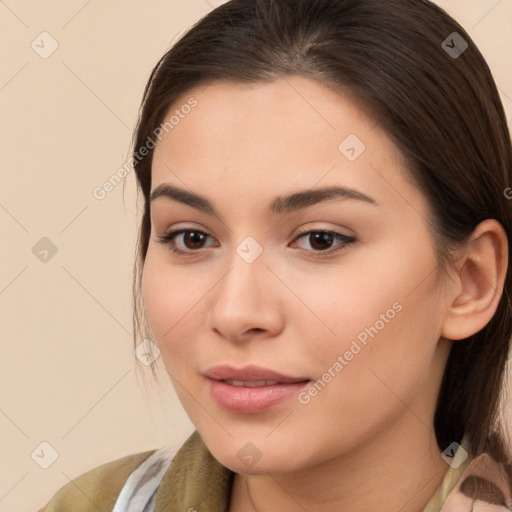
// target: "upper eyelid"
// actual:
[[179, 231], [301, 230]]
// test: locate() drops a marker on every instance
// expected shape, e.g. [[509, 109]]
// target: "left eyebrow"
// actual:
[[278, 206]]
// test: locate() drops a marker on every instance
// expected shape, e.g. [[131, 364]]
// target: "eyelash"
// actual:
[[168, 239]]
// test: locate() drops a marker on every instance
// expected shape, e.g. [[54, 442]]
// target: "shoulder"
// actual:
[[485, 484], [98, 488]]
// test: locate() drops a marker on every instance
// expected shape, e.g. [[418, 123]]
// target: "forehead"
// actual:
[[280, 136]]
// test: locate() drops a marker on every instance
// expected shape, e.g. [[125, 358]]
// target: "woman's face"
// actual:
[[356, 325]]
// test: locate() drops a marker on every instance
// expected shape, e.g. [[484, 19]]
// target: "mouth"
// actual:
[[251, 389], [250, 374], [251, 383]]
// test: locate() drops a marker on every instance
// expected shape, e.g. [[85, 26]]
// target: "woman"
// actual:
[[323, 265]]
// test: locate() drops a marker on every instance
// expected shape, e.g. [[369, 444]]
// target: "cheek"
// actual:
[[169, 304], [357, 300], [155, 295], [356, 324], [380, 316]]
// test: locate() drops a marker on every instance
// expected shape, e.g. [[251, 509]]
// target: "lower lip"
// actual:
[[247, 400]]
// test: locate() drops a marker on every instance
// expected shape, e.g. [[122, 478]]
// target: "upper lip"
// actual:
[[249, 373]]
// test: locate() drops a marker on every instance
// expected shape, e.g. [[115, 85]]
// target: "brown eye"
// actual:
[[192, 239], [322, 241]]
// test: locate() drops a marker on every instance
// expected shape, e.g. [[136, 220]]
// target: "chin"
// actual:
[[254, 458], [249, 450], [261, 467]]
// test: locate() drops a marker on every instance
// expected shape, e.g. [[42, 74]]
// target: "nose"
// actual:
[[247, 302]]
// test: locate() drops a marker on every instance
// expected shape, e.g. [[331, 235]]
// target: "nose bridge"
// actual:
[[247, 266], [242, 301]]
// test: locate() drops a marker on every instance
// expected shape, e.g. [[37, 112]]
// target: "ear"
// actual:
[[479, 282]]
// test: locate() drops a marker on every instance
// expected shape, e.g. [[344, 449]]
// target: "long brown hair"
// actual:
[[441, 109]]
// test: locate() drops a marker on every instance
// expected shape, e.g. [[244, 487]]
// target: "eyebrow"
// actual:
[[279, 205]]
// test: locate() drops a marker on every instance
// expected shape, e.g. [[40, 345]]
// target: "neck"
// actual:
[[395, 470]]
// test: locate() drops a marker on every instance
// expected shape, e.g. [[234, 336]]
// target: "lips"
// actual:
[[251, 389], [249, 373], [251, 383]]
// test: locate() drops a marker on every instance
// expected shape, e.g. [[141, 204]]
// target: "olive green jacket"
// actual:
[[194, 481]]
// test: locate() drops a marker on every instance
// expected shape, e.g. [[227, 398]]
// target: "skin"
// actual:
[[366, 441]]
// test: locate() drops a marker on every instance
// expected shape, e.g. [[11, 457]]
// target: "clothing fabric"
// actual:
[[192, 480], [139, 492]]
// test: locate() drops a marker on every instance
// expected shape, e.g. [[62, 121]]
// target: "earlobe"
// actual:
[[480, 281]]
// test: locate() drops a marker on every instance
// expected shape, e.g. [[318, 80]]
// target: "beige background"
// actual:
[[67, 373]]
